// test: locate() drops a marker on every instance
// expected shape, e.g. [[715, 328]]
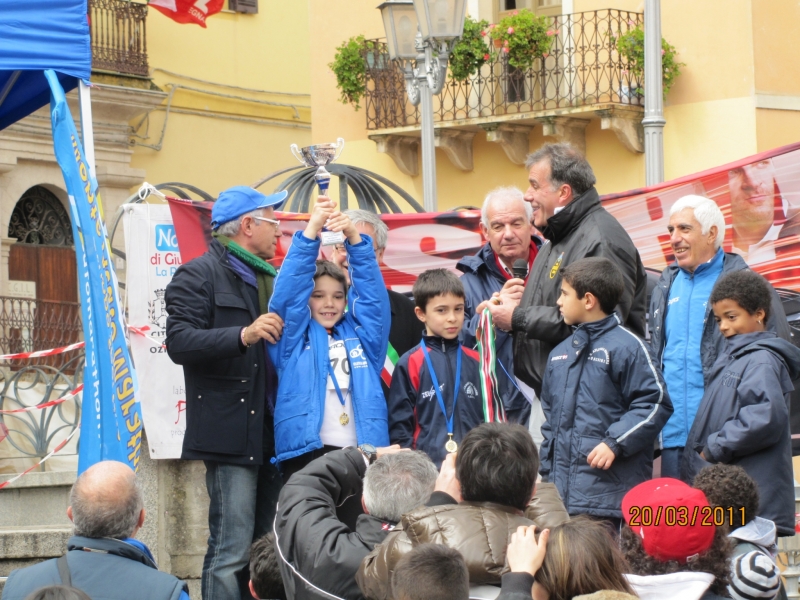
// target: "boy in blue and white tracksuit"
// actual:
[[604, 400], [307, 405]]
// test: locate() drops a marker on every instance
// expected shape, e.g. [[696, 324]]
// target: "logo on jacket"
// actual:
[[557, 264], [560, 357], [673, 300], [470, 390], [600, 355], [731, 378], [357, 360], [431, 392]]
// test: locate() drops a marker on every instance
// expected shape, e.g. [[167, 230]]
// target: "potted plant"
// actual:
[[522, 37], [630, 46], [350, 67], [469, 52]]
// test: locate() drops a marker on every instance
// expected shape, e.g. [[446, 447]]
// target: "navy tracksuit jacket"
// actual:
[[415, 418]]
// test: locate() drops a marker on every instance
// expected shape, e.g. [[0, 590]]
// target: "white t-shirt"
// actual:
[[332, 432]]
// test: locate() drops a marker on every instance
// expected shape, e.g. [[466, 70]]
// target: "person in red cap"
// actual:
[[672, 544]]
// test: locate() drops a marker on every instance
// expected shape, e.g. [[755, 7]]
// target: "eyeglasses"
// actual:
[[273, 221], [339, 249]]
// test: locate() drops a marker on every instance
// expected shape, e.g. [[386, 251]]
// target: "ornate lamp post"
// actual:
[[420, 35]]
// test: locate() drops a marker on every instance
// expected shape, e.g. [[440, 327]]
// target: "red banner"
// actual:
[[759, 196], [188, 11]]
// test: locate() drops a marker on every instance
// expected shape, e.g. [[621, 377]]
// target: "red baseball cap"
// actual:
[[671, 517]]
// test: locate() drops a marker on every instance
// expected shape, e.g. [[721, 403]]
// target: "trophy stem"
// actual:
[[323, 179]]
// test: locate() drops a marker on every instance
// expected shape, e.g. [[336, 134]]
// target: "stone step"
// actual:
[[36, 500], [24, 546]]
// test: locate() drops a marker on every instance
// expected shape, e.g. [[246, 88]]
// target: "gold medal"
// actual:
[[451, 445], [344, 419]]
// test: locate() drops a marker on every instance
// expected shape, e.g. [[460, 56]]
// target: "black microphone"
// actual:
[[520, 268]]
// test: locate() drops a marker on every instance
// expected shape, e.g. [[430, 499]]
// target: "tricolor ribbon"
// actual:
[[388, 365], [493, 409]]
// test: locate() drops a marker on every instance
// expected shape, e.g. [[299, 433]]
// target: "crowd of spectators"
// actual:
[[353, 450]]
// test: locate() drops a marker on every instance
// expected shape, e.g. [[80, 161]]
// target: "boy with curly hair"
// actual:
[[754, 572]]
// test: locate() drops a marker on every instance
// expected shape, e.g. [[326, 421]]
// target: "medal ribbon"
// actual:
[[451, 418], [493, 409]]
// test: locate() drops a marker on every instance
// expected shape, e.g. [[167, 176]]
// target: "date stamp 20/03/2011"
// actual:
[[682, 516]]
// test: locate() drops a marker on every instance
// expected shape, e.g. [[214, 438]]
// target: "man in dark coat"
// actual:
[[506, 224], [407, 329], [567, 211], [217, 327], [103, 558], [318, 554]]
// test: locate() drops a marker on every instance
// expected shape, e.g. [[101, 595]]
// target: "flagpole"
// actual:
[[87, 130]]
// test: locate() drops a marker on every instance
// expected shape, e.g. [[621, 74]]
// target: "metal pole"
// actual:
[[653, 121], [428, 147], [87, 130]]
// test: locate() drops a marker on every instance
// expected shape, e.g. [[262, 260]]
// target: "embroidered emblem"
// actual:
[[557, 264]]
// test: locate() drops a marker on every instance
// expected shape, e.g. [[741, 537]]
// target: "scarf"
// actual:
[[264, 272]]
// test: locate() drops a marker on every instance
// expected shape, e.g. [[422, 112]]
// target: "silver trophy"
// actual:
[[320, 155]]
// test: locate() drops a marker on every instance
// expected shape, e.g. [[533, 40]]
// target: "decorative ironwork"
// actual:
[[119, 40], [37, 432], [583, 68], [370, 189], [27, 325], [40, 218]]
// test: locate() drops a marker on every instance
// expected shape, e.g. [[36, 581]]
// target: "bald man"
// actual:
[[103, 559]]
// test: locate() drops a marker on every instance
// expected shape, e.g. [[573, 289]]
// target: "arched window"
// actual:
[[40, 218]]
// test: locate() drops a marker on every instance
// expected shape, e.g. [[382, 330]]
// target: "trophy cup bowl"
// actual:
[[320, 155]]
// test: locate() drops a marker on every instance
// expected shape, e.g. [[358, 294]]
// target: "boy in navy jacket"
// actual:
[[604, 400], [421, 416]]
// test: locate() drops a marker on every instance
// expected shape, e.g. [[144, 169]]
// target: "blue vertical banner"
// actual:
[[111, 423]]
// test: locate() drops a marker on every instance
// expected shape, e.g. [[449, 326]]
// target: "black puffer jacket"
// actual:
[[583, 228], [743, 420], [317, 553]]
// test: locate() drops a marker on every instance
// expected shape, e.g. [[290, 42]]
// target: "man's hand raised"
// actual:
[[266, 327], [447, 482]]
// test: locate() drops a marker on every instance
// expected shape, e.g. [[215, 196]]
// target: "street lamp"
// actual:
[[420, 35]]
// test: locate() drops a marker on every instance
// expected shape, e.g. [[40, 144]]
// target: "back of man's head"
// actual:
[[498, 462], [398, 483], [265, 572], [431, 572], [58, 592], [106, 501]]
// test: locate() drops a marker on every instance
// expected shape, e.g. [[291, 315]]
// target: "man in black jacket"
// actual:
[[407, 329], [567, 211], [217, 327], [103, 558], [318, 554]]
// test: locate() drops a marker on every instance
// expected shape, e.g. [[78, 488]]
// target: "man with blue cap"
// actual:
[[217, 329]]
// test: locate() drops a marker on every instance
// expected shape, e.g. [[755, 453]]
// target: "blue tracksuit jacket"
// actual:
[[301, 355], [600, 385]]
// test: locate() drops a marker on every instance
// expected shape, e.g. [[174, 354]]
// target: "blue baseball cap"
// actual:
[[239, 200]]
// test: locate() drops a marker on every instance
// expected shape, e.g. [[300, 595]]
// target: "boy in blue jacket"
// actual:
[[329, 360], [743, 417], [604, 400], [435, 396]]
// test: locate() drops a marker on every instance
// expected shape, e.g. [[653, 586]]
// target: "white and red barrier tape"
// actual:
[[48, 404], [41, 353], [56, 449]]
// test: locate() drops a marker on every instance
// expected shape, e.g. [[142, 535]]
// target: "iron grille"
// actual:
[[119, 40]]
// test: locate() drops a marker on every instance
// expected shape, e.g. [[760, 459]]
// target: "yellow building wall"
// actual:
[[230, 129], [777, 128]]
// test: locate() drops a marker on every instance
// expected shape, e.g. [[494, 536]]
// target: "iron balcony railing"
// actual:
[[28, 325], [583, 68], [119, 40]]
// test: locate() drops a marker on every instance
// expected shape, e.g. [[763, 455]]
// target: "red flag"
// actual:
[[188, 11]]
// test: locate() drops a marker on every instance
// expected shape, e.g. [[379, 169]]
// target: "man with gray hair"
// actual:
[[567, 210], [506, 225], [406, 330], [217, 325], [318, 554], [103, 559], [683, 334]]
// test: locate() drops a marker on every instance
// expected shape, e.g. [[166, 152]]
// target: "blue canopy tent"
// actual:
[[43, 34]]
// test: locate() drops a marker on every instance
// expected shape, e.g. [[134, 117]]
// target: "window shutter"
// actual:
[[243, 6]]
